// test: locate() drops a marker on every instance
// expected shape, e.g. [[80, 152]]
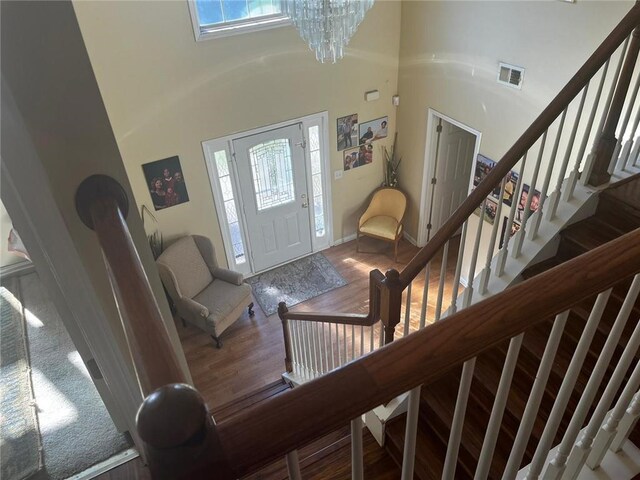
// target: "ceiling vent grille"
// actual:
[[511, 75]]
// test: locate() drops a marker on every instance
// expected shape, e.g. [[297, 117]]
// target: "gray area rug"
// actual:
[[295, 282], [19, 437], [77, 431]]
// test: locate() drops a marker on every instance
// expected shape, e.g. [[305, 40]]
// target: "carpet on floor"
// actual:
[[20, 452], [77, 431], [295, 282]]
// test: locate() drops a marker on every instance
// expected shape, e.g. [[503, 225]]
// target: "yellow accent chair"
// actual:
[[205, 295], [383, 217]]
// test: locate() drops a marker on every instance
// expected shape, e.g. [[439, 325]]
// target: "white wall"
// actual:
[[165, 94], [449, 56]]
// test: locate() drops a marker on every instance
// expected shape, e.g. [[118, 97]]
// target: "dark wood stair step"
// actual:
[[227, 410]]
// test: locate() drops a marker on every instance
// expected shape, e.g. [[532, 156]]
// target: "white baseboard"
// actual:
[[19, 268], [106, 465], [410, 239], [346, 239]]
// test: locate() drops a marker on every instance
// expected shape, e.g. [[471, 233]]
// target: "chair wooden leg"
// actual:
[[395, 253], [250, 309], [357, 241], [218, 342], [184, 322]]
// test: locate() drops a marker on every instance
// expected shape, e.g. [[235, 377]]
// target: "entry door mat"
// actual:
[[295, 282], [20, 448]]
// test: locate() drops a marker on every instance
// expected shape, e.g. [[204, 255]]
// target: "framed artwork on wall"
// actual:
[[373, 130], [515, 226], [166, 183], [347, 131], [358, 157]]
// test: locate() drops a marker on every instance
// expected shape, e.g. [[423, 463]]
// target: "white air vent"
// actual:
[[511, 75]]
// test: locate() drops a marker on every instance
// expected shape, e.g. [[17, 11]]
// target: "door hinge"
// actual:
[[439, 129], [434, 181], [429, 226]]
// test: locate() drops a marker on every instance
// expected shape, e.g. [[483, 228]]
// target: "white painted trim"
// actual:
[[106, 465], [429, 164], [226, 143], [20, 268], [238, 28], [346, 239], [410, 239], [27, 195]]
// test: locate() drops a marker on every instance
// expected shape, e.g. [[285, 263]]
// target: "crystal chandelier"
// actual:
[[326, 25]]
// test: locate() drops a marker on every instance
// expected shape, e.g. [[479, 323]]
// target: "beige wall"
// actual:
[[449, 56], [165, 94], [50, 77]]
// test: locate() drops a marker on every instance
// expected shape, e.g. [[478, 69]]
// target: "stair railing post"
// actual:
[[607, 142], [390, 303], [185, 444], [282, 310]]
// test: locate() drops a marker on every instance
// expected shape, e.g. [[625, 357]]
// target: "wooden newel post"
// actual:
[[181, 439], [607, 142], [282, 310], [390, 304]]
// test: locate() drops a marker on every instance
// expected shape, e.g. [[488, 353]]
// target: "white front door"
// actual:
[[272, 174], [454, 160]]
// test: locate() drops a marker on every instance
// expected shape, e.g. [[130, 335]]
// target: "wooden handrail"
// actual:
[[524, 143], [99, 201], [272, 428], [376, 278]]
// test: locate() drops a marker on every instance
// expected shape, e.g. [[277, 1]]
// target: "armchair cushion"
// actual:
[[381, 226], [184, 260], [222, 298]]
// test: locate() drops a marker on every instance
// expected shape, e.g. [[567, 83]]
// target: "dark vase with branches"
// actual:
[[391, 164]]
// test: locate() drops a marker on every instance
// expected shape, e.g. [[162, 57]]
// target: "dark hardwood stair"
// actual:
[[618, 212]]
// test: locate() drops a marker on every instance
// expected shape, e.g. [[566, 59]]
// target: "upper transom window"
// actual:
[[216, 18]]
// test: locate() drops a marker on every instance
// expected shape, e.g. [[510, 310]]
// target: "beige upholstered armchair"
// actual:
[[205, 295], [383, 218]]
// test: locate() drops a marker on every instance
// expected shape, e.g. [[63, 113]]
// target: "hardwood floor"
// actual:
[[252, 355]]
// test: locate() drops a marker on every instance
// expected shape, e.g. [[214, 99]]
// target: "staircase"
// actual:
[[618, 212]]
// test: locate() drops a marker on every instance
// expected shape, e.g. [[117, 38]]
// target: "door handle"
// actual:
[[305, 205]]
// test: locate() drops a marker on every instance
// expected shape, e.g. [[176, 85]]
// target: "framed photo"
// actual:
[[490, 210], [358, 157], [515, 227], [347, 131], [373, 130], [483, 166], [166, 183], [522, 203], [509, 188]]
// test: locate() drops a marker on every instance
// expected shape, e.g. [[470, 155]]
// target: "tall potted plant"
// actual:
[[391, 164]]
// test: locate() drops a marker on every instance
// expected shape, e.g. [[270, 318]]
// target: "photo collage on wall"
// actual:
[[166, 183], [355, 139], [482, 168]]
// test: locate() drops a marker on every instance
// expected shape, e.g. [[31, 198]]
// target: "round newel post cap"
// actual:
[[172, 415], [393, 275], [99, 187]]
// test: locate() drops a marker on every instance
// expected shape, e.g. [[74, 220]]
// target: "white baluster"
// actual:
[[314, 343], [338, 345], [407, 311], [293, 466], [605, 113], [333, 354], [346, 352], [582, 449], [535, 397], [294, 344], [372, 331], [626, 158], [357, 453], [456, 278], [535, 221], [497, 412], [567, 156], [443, 275], [307, 343], [411, 430], [504, 252], [353, 342], [425, 297], [381, 339], [566, 389], [519, 239], [573, 178], [361, 340], [623, 129], [486, 272], [627, 423], [558, 464], [468, 292], [453, 447]]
